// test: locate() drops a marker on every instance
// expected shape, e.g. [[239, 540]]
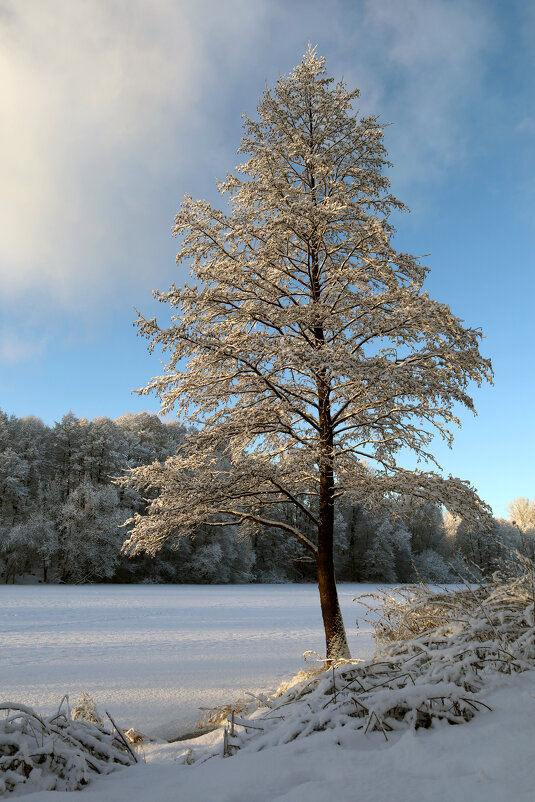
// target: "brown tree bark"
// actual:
[[335, 634]]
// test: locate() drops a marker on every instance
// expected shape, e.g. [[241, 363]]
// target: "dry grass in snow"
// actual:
[[59, 753], [438, 654]]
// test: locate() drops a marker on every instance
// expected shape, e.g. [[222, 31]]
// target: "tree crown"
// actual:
[[309, 341]]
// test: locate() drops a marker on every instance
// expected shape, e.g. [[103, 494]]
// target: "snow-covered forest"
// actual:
[[62, 519]]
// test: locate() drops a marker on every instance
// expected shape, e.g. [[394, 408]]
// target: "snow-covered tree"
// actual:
[[103, 451], [148, 438], [363, 558], [89, 536], [431, 566], [519, 531], [522, 514], [425, 523], [68, 440], [13, 488], [513, 540], [379, 560], [277, 558], [312, 350], [451, 524], [359, 535], [32, 546]]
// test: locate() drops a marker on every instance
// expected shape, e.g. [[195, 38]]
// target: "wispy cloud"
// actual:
[[433, 57], [526, 126], [14, 348]]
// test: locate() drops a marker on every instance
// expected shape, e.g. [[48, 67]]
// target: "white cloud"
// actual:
[[109, 106], [95, 98]]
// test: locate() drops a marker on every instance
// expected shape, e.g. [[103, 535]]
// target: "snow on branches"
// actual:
[[306, 352]]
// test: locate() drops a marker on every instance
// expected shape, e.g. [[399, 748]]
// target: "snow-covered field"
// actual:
[[152, 655]]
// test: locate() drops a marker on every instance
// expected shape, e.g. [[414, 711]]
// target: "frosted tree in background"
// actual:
[[31, 542], [522, 518], [13, 490], [522, 514], [306, 351]]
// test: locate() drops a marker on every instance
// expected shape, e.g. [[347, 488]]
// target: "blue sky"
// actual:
[[112, 110]]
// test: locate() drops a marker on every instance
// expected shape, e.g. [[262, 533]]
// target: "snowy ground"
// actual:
[[151, 655], [489, 759]]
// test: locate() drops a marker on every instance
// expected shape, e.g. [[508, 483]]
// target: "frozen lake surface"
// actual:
[[153, 654]]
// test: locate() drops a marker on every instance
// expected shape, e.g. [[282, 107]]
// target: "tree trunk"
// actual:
[[335, 634]]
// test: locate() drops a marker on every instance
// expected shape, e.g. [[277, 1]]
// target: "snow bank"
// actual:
[[489, 759]]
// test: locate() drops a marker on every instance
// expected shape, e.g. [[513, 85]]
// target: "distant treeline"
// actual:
[[62, 519]]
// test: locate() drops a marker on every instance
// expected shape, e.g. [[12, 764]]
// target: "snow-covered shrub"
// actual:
[[499, 613], [437, 654], [58, 753]]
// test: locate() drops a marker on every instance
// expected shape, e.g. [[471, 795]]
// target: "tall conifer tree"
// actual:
[[307, 351]]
